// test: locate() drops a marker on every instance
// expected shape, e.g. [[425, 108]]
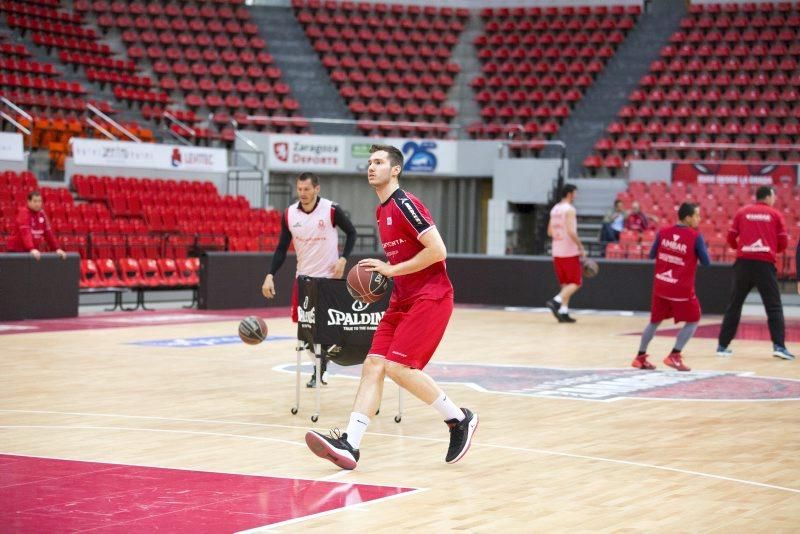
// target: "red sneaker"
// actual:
[[640, 362], [675, 361]]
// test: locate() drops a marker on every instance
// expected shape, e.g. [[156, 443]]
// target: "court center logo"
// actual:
[[603, 385]]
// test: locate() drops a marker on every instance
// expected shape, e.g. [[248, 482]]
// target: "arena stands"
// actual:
[[206, 57], [126, 220], [729, 75], [538, 61], [718, 204], [390, 62]]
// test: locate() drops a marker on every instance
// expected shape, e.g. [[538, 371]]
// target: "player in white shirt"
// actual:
[[311, 223]]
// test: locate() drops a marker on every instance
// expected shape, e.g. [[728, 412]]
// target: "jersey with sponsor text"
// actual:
[[676, 263], [758, 232], [402, 220]]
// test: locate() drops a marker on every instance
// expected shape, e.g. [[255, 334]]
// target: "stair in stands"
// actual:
[[599, 106], [302, 69], [461, 95]]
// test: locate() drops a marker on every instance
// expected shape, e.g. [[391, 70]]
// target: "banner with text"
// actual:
[[421, 156], [741, 173], [306, 152], [99, 153], [11, 148]]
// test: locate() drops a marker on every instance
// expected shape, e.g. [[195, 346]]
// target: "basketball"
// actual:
[[366, 286], [590, 268], [253, 330]]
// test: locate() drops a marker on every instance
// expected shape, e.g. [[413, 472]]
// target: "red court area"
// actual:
[[47, 495], [750, 330], [141, 318]]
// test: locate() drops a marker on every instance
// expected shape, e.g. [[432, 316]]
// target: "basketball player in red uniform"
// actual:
[[677, 250], [312, 224], [414, 323]]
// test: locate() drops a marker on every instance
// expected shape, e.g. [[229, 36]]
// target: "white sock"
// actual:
[[557, 298], [447, 408], [563, 309], [356, 428]]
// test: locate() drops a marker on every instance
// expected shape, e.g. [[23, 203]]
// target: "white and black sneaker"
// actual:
[[333, 447], [461, 433]]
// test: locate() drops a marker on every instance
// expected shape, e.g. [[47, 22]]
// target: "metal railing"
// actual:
[[322, 120], [765, 147], [16, 124], [182, 126], [124, 131]]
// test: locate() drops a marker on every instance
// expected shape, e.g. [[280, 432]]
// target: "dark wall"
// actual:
[[43, 289], [234, 281]]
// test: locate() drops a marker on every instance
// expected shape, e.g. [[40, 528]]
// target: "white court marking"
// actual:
[[413, 438]]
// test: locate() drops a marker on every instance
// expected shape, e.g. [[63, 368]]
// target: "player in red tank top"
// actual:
[[414, 323], [677, 250]]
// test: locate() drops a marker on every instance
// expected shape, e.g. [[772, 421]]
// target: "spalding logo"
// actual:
[[359, 306]]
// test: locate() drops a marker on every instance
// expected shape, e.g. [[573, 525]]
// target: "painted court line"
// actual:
[[413, 438], [352, 507]]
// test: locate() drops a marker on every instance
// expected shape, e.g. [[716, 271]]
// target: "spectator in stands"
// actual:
[[311, 223], [758, 233], [613, 223], [636, 219], [32, 229]]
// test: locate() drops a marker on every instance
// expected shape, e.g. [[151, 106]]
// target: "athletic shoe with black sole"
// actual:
[[334, 448], [565, 318], [461, 433], [554, 306], [782, 353]]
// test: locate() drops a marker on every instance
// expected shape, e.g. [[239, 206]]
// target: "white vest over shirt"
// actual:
[[316, 240]]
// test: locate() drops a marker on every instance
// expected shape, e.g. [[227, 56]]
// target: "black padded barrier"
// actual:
[[234, 281], [43, 289]]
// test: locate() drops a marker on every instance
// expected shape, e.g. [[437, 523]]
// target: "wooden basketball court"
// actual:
[[570, 438]]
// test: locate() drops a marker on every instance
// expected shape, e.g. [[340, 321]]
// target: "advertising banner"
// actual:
[[421, 156], [759, 173], [11, 148], [100, 153], [305, 152], [328, 315]]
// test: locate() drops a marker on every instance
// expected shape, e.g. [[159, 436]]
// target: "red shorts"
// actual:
[[681, 310], [568, 270], [295, 297], [408, 334]]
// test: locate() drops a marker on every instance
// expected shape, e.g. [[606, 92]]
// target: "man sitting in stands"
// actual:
[[637, 220]]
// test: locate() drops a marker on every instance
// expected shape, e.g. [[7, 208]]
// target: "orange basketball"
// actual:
[[590, 268], [366, 286], [252, 330]]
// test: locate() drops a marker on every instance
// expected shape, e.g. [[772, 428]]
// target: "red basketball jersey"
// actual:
[[758, 232], [676, 263], [402, 220]]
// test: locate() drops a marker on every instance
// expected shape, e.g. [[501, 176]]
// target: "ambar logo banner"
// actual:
[[709, 172], [306, 152]]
